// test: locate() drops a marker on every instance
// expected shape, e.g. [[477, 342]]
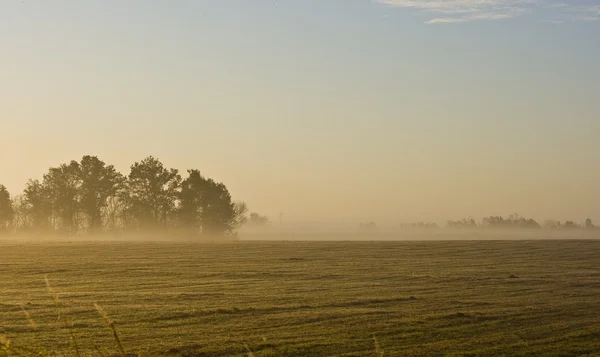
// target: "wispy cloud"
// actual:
[[593, 13], [582, 13], [460, 11], [445, 20], [595, 9]]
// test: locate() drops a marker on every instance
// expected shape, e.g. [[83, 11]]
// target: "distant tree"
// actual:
[[239, 217], [419, 225], [256, 219], [571, 225], [367, 227], [530, 223], [589, 224], [37, 205], [463, 223], [63, 184], [552, 224], [513, 221], [6, 209], [494, 222], [152, 192], [99, 183]]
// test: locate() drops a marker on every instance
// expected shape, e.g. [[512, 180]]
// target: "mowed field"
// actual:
[[453, 298]]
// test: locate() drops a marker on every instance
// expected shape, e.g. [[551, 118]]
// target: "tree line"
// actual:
[[89, 196], [512, 221]]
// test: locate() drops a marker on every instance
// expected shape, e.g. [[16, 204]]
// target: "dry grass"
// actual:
[[298, 299]]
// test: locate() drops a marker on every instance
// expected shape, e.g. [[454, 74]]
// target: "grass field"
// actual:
[[461, 298]]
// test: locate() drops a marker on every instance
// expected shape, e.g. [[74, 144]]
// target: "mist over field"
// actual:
[[88, 199]]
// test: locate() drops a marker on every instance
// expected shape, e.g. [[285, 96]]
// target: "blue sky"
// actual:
[[390, 110]]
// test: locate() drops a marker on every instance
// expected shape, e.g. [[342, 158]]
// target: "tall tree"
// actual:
[[239, 217], [64, 184], [190, 201], [6, 209], [153, 191], [99, 183], [21, 219], [220, 215], [37, 203], [206, 206]]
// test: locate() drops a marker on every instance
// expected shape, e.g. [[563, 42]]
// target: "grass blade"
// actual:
[[111, 325]]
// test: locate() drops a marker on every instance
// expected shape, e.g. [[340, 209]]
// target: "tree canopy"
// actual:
[[6, 208], [90, 196]]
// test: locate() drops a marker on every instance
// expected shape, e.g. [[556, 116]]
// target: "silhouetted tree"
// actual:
[[206, 206], [220, 215], [589, 224], [463, 223], [494, 222], [99, 183], [121, 210], [21, 216], [190, 201], [37, 204], [419, 225], [513, 221], [6, 209], [368, 227], [571, 225], [256, 219], [239, 217], [113, 213], [552, 224], [530, 223], [148, 197], [63, 184], [152, 192]]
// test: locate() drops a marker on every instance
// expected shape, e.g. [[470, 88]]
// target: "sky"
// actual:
[[341, 110]]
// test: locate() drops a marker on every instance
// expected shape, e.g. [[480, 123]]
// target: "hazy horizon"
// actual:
[[341, 111]]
